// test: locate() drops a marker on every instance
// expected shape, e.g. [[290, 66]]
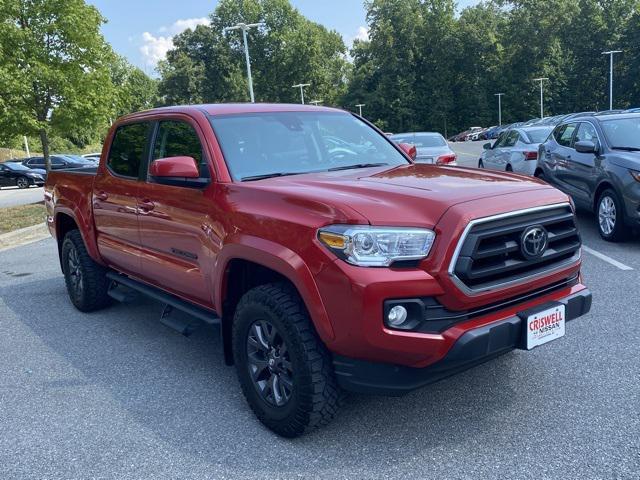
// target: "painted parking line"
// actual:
[[606, 258]]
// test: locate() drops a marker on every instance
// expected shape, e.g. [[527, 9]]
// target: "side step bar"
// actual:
[[184, 326]]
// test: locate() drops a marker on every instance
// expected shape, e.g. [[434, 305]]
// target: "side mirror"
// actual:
[[178, 172], [184, 167], [409, 150], [487, 146], [586, 146]]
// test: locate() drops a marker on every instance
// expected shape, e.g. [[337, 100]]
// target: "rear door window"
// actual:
[[127, 149]]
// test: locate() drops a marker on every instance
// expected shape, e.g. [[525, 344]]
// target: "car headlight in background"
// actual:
[[368, 246], [635, 175]]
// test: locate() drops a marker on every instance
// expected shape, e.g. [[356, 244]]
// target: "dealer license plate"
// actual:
[[545, 326]]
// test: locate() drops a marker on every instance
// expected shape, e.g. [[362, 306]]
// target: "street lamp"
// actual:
[[301, 87], [499, 95], [360, 105], [611, 53], [245, 27], [541, 80], [316, 102]]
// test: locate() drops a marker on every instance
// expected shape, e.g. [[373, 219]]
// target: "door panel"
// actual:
[[581, 168], [115, 198], [175, 225], [561, 155]]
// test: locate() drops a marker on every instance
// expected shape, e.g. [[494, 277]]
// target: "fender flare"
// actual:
[[281, 260], [85, 226]]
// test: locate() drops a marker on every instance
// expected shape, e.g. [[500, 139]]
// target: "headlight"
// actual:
[[635, 175], [367, 246]]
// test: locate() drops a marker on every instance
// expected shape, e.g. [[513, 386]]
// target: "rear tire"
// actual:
[[86, 281], [610, 217], [22, 182], [272, 323], [509, 168], [480, 164]]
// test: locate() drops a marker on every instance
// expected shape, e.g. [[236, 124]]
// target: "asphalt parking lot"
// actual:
[[13, 196], [115, 394]]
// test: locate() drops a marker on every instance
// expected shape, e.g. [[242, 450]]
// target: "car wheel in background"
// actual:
[[509, 168], [480, 164], [609, 214], [22, 182], [285, 371], [87, 282]]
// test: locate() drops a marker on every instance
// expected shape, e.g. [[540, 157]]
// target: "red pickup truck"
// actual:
[[329, 260]]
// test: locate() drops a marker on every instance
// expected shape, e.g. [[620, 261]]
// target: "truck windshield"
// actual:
[[260, 145]]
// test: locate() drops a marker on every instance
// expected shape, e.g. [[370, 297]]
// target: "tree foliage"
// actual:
[[208, 65], [59, 78], [427, 68]]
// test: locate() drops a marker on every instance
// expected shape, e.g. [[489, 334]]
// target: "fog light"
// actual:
[[397, 316]]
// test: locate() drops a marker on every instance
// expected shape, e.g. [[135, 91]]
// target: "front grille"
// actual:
[[490, 255]]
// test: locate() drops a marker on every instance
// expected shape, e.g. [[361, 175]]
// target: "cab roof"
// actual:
[[232, 108]]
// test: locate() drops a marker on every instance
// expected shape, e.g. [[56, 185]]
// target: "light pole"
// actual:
[[541, 80], [611, 53], [245, 27], [360, 105], [316, 102], [301, 87], [499, 95]]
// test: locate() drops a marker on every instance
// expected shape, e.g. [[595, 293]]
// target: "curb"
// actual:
[[23, 236]]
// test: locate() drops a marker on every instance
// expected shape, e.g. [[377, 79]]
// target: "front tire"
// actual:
[[22, 183], [480, 164], [609, 214], [284, 370], [87, 283]]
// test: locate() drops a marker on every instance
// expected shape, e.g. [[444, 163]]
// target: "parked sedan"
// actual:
[[15, 174], [431, 147], [516, 150], [596, 160], [58, 162]]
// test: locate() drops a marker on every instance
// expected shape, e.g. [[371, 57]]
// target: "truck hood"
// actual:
[[412, 195]]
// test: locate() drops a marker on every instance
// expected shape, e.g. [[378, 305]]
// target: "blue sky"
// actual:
[[141, 30]]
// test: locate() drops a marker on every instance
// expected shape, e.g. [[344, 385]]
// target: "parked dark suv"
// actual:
[[596, 160]]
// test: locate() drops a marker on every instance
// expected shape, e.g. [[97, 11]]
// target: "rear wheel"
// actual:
[[509, 168], [87, 283], [610, 217], [284, 370], [22, 182], [480, 164]]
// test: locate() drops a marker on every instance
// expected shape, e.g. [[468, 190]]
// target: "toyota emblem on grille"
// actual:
[[533, 242]]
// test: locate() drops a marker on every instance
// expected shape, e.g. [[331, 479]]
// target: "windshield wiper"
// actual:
[[627, 149], [267, 175], [357, 165]]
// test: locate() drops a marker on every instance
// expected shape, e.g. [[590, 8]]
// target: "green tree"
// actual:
[[54, 69], [207, 65], [135, 90]]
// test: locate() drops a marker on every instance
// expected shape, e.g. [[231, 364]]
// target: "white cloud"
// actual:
[[181, 25], [363, 34], [155, 47]]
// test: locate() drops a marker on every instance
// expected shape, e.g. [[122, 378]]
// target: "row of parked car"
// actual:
[[491, 133], [28, 172], [593, 157]]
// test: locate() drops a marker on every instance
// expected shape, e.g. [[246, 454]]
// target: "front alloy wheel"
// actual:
[[610, 217], [607, 215], [269, 363], [22, 182]]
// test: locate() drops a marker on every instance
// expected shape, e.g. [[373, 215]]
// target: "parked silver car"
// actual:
[[515, 150], [431, 147]]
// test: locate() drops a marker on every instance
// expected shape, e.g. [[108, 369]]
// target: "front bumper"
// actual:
[[472, 348]]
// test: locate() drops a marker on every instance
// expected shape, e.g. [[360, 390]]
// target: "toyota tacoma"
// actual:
[[329, 260]]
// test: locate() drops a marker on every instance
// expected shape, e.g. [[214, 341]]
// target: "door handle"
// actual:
[[102, 196], [146, 205]]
